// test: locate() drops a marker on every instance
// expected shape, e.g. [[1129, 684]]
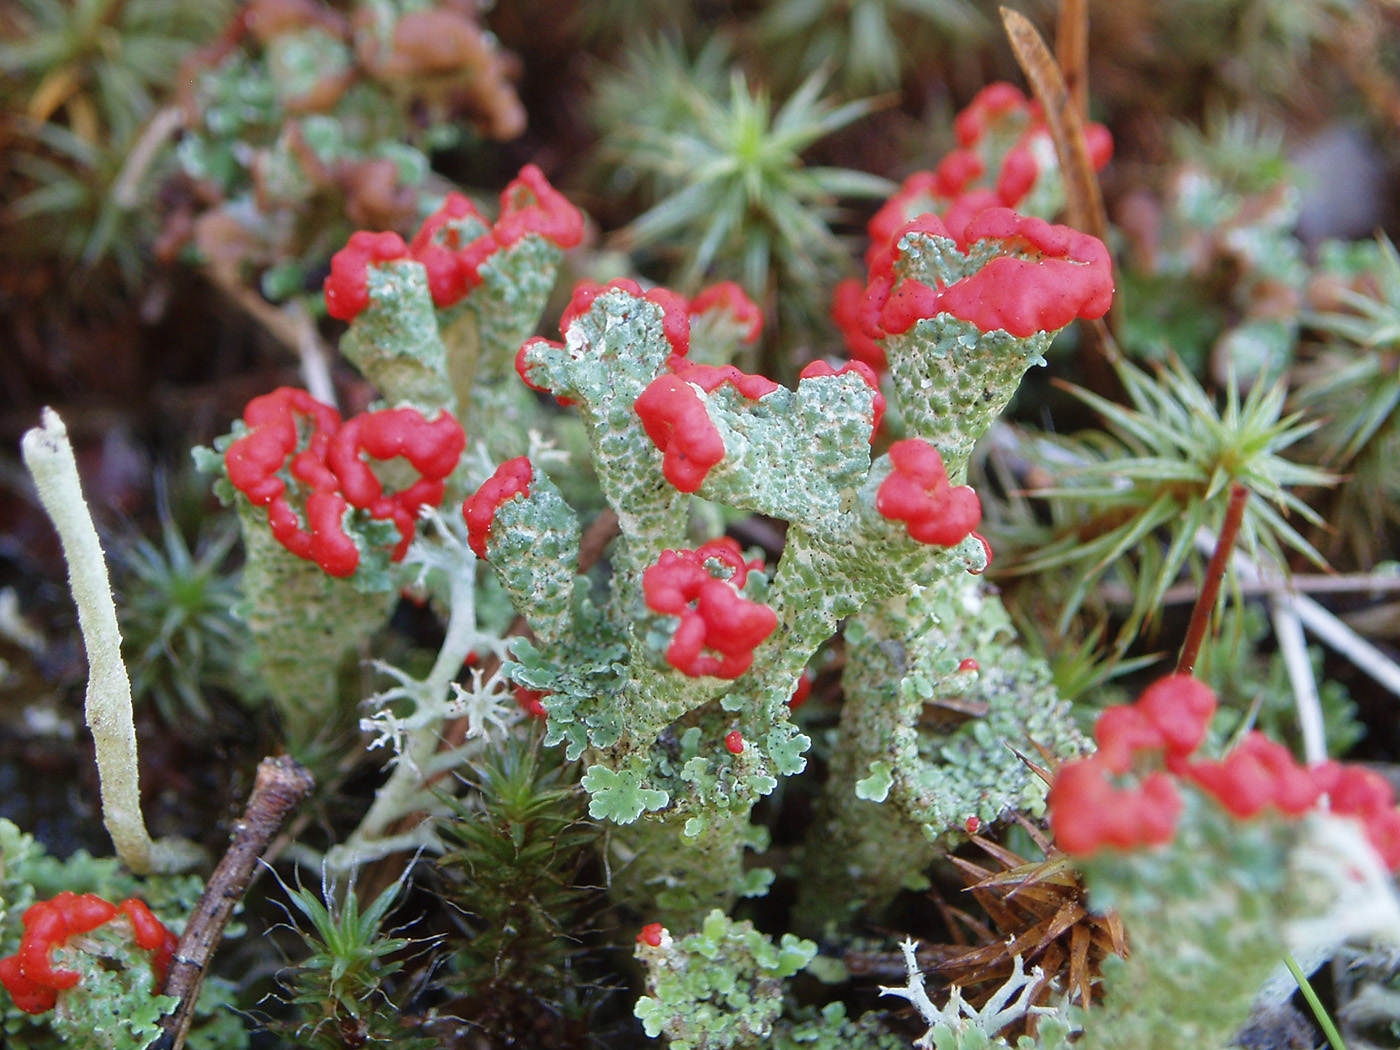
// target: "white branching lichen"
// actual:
[[1008, 1004]]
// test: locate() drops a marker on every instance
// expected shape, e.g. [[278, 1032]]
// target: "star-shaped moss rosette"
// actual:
[[436, 322]]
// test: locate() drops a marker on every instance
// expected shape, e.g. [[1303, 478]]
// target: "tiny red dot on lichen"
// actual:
[[528, 701], [969, 664], [651, 934], [972, 826], [734, 741]]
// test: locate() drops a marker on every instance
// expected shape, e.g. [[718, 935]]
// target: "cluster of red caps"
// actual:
[[917, 493], [290, 432], [529, 205], [30, 975], [1066, 274], [669, 408], [1163, 728], [719, 628]]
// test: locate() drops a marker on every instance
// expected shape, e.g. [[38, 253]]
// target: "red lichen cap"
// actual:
[[1354, 791], [529, 204], [522, 366], [1180, 707], [1169, 720], [917, 493], [803, 690], [30, 976], [512, 478], [439, 246], [1067, 275], [675, 419], [431, 448], [1122, 731], [856, 315], [729, 297], [734, 742], [529, 701], [1087, 812], [719, 628], [1257, 773], [347, 287], [334, 476], [710, 378], [651, 934], [255, 461], [988, 104], [675, 311]]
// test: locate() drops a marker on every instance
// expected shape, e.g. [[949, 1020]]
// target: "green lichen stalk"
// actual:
[[396, 343], [1211, 916], [941, 701], [655, 737], [308, 628], [938, 692]]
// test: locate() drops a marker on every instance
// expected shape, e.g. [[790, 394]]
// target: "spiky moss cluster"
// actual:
[[339, 993], [179, 634], [655, 737], [1209, 916], [939, 698], [512, 866], [114, 1005], [719, 988]]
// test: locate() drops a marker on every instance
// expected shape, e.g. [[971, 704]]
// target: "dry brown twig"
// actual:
[[279, 785]]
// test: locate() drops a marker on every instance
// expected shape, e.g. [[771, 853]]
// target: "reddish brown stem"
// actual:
[[1215, 574]]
